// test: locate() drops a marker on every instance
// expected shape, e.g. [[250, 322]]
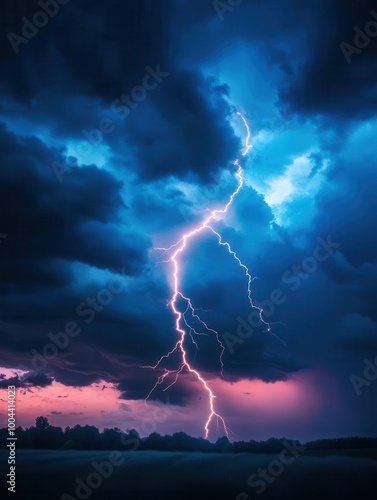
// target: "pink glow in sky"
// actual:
[[254, 409]]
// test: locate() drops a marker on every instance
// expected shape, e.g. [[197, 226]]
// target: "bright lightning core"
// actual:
[[182, 326]]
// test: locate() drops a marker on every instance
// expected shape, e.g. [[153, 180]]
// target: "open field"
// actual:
[[48, 475]]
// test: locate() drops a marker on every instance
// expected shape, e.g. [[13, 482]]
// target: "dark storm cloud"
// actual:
[[301, 41], [137, 382], [350, 202], [66, 79], [88, 48], [324, 82], [33, 380], [52, 224], [89, 56], [330, 320], [187, 130], [120, 335]]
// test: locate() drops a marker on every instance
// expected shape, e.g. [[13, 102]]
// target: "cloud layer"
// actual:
[[135, 180]]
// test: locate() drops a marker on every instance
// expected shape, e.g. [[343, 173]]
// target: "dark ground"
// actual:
[[48, 475]]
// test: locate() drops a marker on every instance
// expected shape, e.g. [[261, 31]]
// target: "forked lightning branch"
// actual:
[[182, 326]]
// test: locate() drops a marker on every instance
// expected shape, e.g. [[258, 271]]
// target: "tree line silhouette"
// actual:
[[88, 437]]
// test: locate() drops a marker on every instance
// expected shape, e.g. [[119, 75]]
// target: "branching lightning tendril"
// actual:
[[182, 325]]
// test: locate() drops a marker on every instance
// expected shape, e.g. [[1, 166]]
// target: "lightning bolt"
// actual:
[[182, 325]]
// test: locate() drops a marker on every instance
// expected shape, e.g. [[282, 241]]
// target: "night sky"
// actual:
[[118, 132]]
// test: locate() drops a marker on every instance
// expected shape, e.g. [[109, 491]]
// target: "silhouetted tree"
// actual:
[[111, 439], [41, 423], [155, 442], [223, 445], [88, 437]]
